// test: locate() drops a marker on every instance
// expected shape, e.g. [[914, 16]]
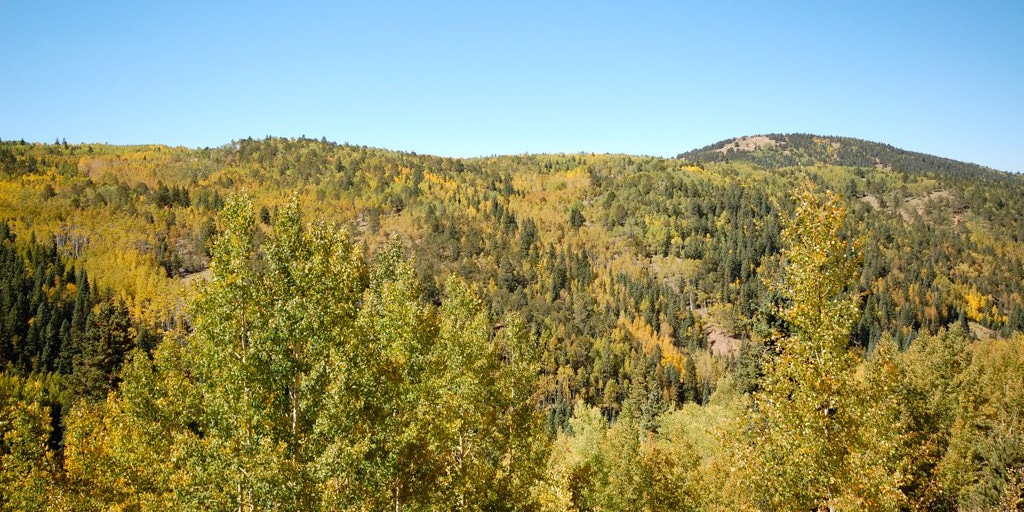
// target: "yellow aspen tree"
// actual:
[[805, 426]]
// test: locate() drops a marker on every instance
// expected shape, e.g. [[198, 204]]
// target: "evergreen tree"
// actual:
[[102, 350], [576, 219]]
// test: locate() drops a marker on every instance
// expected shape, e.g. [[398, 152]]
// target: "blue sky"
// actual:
[[481, 78]]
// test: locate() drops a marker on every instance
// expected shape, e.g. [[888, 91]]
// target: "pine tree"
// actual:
[[576, 219], [103, 349]]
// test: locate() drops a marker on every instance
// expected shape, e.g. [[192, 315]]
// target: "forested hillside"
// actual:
[[775, 323]]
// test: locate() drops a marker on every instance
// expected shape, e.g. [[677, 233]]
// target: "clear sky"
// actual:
[[484, 77]]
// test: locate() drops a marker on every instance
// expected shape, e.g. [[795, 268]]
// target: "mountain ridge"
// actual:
[[776, 150], [770, 151]]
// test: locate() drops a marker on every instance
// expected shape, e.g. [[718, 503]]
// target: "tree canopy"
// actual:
[[298, 324]]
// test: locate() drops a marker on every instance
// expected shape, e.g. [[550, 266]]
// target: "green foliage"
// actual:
[[986, 450], [306, 373], [576, 218], [788, 150], [101, 351], [621, 466], [806, 446], [311, 380], [28, 463]]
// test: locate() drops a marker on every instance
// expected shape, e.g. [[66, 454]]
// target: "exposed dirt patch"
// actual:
[[196, 278], [981, 332], [94, 168], [748, 144], [872, 201], [923, 203], [721, 344], [919, 203]]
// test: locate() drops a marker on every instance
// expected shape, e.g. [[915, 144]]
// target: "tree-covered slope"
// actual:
[[788, 150], [642, 289]]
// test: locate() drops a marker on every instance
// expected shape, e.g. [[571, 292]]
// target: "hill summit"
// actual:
[[800, 149]]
